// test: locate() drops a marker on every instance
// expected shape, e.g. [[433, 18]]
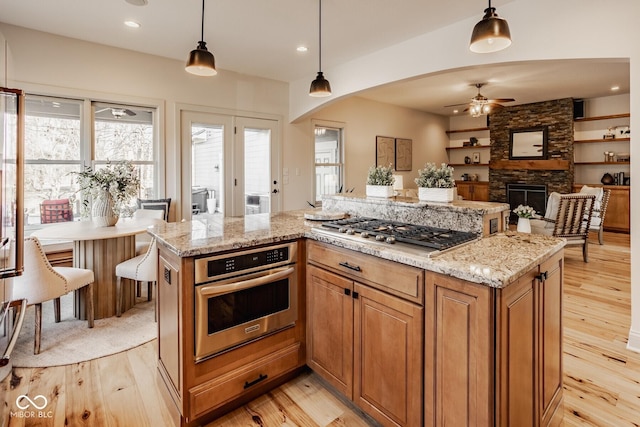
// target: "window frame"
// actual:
[[87, 154], [341, 128]]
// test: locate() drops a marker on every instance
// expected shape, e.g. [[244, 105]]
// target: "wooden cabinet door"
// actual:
[[464, 190], [330, 328], [388, 357], [459, 355], [550, 328], [481, 192], [517, 343], [617, 217]]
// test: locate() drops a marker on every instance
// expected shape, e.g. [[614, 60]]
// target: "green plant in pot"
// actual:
[[436, 184], [380, 181]]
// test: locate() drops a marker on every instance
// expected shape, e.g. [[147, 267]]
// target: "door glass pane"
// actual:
[[207, 188], [257, 170]]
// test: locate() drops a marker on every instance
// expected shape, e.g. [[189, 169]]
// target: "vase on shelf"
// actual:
[[102, 212], [524, 225]]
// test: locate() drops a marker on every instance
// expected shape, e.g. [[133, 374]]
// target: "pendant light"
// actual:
[[201, 62], [320, 86], [491, 34]]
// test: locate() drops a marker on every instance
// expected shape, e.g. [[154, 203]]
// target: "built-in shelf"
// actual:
[[602, 163], [456, 165], [589, 141], [468, 147], [610, 116], [467, 130]]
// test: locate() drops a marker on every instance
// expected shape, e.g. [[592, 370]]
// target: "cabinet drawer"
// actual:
[[218, 391], [392, 277]]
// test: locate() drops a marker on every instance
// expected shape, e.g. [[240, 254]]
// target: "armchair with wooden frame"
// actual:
[[599, 209], [567, 216]]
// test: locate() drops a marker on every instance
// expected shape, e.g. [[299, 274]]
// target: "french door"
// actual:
[[230, 165]]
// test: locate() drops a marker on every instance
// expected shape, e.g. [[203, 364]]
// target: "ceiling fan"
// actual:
[[480, 104], [118, 112]]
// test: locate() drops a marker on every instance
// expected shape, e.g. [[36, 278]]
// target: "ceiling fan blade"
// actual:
[[129, 112], [456, 105], [502, 100], [104, 109]]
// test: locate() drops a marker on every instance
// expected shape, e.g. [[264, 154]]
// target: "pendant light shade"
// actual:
[[201, 62], [491, 34], [320, 86]]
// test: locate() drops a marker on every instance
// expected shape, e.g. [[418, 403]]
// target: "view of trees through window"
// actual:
[[59, 142]]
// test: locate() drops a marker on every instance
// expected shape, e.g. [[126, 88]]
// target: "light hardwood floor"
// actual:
[[602, 378]]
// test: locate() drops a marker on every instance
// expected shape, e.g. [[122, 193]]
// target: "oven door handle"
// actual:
[[273, 275]]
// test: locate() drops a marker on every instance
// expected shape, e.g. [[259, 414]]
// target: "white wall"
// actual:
[[541, 30], [52, 65], [364, 120]]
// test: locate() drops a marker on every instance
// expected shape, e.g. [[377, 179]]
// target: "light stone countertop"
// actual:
[[412, 202], [495, 261]]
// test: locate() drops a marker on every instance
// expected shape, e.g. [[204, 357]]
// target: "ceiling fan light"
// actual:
[[201, 62], [320, 87], [491, 34]]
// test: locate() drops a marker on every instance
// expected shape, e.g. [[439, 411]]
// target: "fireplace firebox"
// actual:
[[526, 194]]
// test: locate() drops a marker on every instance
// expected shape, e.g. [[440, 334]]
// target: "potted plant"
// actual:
[[436, 184], [111, 188], [380, 181], [525, 213]]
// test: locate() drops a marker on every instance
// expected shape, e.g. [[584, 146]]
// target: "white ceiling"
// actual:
[[259, 37]]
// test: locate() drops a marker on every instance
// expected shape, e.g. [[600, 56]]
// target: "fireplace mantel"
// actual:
[[553, 164]]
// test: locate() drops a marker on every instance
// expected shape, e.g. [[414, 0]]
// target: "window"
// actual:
[[126, 133], [328, 161], [55, 147]]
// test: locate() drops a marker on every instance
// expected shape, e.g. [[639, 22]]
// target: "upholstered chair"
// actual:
[[144, 239], [40, 282], [142, 268]]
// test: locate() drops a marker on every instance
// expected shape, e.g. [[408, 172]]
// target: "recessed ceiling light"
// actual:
[[138, 2], [302, 48], [132, 24], [615, 88], [455, 111]]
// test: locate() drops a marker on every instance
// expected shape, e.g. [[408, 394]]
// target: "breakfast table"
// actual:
[[100, 249]]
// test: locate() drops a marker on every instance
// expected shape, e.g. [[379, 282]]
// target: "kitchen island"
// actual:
[[483, 336]]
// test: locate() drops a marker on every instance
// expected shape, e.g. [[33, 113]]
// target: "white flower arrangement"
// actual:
[[524, 211], [434, 177], [120, 180], [381, 175]]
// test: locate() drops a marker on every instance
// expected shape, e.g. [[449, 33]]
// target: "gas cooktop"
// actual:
[[391, 232]]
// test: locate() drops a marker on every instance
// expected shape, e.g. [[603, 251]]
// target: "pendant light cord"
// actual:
[[320, 35], [202, 27]]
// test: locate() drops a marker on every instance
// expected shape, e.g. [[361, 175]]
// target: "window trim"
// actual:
[[342, 127]]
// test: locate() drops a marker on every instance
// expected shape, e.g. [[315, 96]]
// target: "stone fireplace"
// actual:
[[556, 173]]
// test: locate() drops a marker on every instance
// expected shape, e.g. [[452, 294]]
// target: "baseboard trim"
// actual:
[[633, 343]]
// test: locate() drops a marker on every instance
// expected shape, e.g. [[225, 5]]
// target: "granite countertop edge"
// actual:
[[512, 254]]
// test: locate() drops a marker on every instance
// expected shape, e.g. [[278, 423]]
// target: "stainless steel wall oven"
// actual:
[[244, 295]]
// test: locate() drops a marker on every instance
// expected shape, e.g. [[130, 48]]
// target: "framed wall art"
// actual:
[[385, 151], [404, 155]]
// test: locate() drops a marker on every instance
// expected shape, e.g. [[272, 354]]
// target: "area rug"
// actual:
[[71, 341]]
